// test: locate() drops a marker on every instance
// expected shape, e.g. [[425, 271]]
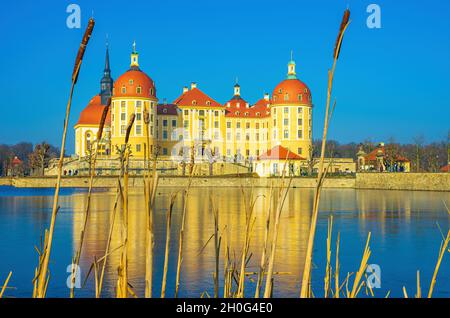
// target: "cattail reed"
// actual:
[[166, 254], [88, 204], [82, 49], [362, 269], [344, 23], [5, 284], [42, 277], [306, 278], [442, 251], [129, 127]]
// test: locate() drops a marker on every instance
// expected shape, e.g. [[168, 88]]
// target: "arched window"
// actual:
[[194, 102], [124, 89], [138, 90], [208, 103]]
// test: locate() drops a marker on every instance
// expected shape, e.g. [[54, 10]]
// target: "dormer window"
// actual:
[[124, 89], [238, 105], [131, 82], [237, 113], [208, 103], [300, 97], [258, 114], [165, 110], [306, 91], [194, 102], [280, 91], [286, 97], [139, 90], [246, 114]]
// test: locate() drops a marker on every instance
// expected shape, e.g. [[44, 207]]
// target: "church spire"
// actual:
[[107, 81]]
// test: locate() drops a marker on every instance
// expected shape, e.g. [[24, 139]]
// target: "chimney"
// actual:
[[193, 85], [185, 89], [266, 96]]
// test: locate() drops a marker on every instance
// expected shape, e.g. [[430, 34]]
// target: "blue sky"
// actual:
[[390, 82]]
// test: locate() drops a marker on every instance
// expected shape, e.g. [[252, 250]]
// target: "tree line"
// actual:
[[424, 157], [34, 158]]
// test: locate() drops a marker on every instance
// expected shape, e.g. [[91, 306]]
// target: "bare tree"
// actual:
[[39, 158], [418, 142]]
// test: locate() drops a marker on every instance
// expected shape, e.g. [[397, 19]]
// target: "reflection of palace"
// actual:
[[236, 130], [197, 267]]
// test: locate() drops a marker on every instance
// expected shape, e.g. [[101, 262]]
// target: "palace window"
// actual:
[[300, 97], [286, 134], [228, 124], [299, 110], [138, 147], [138, 129], [194, 102], [138, 116], [238, 136], [152, 92], [208, 103], [299, 151], [186, 112], [228, 136], [165, 135], [286, 97], [216, 113], [165, 151], [286, 110], [186, 124], [257, 125], [123, 130], [247, 125], [201, 113], [165, 123], [131, 82], [300, 134], [124, 89], [299, 121], [286, 122], [123, 116], [238, 125], [138, 90], [174, 123], [216, 124]]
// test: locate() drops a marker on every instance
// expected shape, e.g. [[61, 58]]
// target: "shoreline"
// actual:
[[375, 181]]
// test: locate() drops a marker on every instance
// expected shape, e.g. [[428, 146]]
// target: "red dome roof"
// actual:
[[92, 114], [291, 91], [136, 84]]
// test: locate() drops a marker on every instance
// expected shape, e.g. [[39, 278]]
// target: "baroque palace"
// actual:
[[264, 135]]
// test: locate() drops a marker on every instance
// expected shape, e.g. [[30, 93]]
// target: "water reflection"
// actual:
[[403, 226]]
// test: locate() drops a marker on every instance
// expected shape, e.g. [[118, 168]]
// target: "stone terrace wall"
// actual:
[[110, 182], [404, 181]]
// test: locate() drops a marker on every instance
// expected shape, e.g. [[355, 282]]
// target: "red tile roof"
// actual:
[[280, 153], [92, 113], [167, 109], [196, 97], [16, 161], [259, 110], [445, 168], [372, 156]]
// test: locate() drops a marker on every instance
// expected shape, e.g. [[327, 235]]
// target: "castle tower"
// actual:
[[291, 111]]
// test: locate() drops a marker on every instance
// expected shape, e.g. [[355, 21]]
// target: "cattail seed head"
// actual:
[[102, 121], [146, 117], [345, 20], [130, 125], [82, 49]]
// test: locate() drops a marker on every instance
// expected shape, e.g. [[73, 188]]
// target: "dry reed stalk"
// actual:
[[181, 236], [122, 281], [5, 284], [150, 186], [336, 270], [42, 273], [328, 269], [263, 263], [249, 206], [77, 257], [166, 254], [306, 279], [405, 294], [282, 194], [442, 251], [119, 194], [217, 243], [362, 269], [419, 290]]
